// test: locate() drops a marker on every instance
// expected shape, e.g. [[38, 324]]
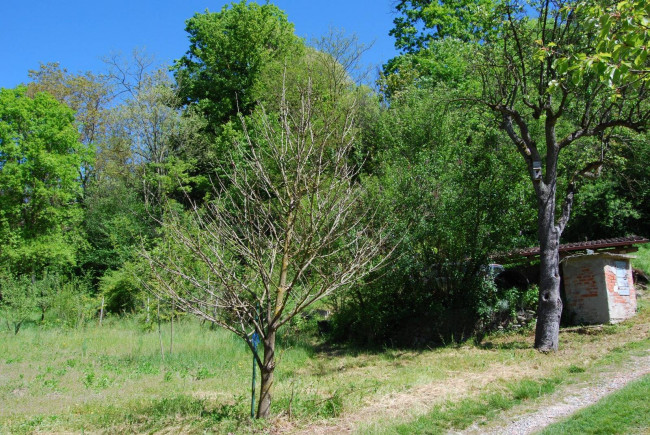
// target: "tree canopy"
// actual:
[[221, 73], [40, 161]]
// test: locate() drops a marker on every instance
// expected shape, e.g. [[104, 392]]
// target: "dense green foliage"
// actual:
[[95, 169], [565, 82], [226, 73], [446, 182], [222, 72], [40, 160]]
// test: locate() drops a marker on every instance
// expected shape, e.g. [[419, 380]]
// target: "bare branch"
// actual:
[[286, 228]]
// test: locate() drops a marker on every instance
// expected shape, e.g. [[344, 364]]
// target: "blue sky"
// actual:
[[77, 34]]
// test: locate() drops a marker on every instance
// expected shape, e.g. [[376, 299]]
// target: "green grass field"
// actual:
[[113, 379]]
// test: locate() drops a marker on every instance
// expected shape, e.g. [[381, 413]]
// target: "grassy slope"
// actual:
[[114, 378]]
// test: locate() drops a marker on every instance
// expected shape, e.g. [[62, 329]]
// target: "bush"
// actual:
[[53, 298], [72, 305], [432, 305], [500, 307], [18, 302], [121, 291]]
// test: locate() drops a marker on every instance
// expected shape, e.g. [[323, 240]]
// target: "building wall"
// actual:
[[621, 306], [591, 287], [585, 289]]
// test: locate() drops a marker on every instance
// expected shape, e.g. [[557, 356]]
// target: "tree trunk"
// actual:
[[268, 366], [162, 350], [550, 304], [101, 312], [171, 329]]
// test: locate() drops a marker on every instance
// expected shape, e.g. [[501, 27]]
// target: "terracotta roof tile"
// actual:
[[579, 246]]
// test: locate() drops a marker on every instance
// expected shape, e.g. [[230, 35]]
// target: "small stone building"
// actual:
[[597, 279], [599, 288]]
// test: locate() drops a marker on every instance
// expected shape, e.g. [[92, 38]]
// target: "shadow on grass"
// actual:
[[511, 345]]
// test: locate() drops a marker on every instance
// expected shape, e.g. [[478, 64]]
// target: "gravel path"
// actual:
[[567, 400]]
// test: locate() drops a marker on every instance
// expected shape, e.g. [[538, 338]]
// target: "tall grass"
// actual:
[[114, 378], [642, 260], [119, 372]]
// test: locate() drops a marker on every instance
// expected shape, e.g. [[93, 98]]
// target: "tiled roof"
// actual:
[[581, 246]]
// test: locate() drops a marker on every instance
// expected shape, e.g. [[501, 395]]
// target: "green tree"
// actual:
[[18, 301], [618, 201], [621, 49], [545, 72], [40, 160], [221, 73], [444, 62], [137, 166], [233, 54], [88, 94], [419, 22], [149, 123], [552, 102]]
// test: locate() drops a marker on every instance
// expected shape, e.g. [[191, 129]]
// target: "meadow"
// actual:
[[128, 375], [115, 379]]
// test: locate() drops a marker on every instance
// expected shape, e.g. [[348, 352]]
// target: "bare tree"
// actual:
[[287, 229]]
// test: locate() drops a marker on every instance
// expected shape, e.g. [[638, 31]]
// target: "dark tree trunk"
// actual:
[[549, 309], [268, 366]]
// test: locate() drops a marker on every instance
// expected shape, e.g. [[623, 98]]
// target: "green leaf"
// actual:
[[561, 66]]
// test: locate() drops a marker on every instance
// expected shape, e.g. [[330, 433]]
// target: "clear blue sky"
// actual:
[[77, 34]]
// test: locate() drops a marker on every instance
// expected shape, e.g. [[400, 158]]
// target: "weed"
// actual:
[[575, 369], [51, 384], [332, 406], [529, 389], [176, 406], [203, 373], [147, 367], [611, 329], [89, 379]]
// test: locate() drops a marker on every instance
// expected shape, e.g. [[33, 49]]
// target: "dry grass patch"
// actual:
[[463, 372]]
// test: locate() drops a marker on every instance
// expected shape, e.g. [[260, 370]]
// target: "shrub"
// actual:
[[72, 305], [18, 301], [121, 290]]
